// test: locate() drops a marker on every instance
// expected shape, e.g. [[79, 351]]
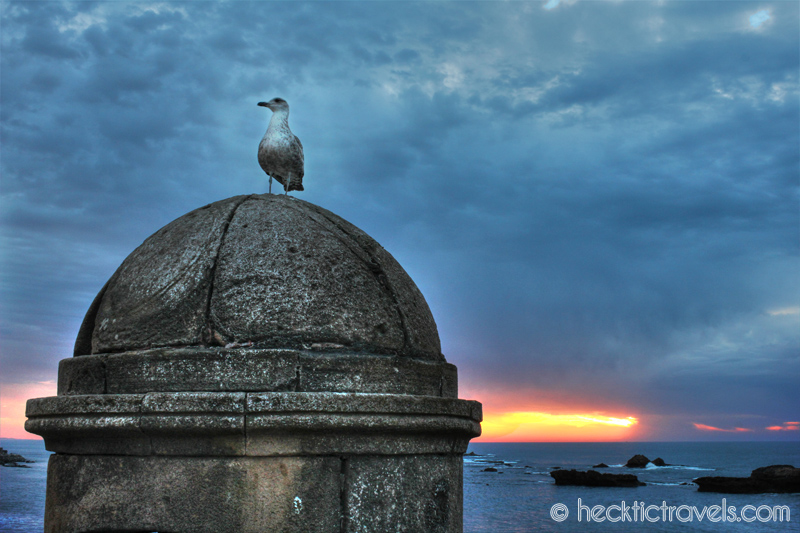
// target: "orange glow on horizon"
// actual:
[[531, 426], [13, 397], [703, 427], [787, 426]]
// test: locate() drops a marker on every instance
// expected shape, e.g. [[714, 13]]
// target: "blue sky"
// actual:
[[599, 200]]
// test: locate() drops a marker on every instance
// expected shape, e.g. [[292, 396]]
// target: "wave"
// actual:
[[651, 466]]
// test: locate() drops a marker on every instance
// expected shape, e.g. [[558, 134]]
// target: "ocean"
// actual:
[[22, 489], [518, 498]]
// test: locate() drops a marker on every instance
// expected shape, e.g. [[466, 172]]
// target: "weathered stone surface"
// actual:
[[307, 276], [592, 478], [270, 270], [775, 478], [252, 369], [267, 424], [82, 375], [312, 494], [175, 370], [89, 404], [193, 494], [371, 374], [403, 493], [342, 402], [159, 295]]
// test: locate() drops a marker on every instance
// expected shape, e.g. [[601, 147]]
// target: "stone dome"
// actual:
[[262, 271]]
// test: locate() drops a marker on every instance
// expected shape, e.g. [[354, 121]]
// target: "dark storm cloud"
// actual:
[[597, 199]]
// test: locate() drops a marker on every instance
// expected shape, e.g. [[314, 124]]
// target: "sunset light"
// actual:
[[526, 266], [703, 427], [787, 426], [12, 407], [530, 426]]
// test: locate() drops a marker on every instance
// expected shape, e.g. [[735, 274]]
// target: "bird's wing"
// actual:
[[297, 157], [263, 161]]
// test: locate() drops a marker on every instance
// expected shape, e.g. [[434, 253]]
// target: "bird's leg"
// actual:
[[270, 184], [286, 187]]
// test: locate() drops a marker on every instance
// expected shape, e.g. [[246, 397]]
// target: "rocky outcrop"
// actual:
[[775, 478], [592, 478], [12, 459], [658, 461], [601, 465], [637, 461]]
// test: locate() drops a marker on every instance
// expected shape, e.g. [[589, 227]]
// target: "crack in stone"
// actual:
[[244, 421], [374, 266], [211, 337], [104, 366], [297, 376], [343, 514]]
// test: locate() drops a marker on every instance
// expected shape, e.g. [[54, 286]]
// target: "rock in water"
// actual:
[[775, 478], [280, 153], [594, 479], [637, 461], [12, 459]]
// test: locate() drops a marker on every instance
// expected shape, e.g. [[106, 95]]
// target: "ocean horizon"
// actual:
[[521, 495]]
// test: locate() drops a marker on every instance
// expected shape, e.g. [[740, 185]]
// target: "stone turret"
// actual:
[[259, 364]]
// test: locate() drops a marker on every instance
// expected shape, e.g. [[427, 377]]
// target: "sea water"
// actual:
[[22, 490], [518, 498]]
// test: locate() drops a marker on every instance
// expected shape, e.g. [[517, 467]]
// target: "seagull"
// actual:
[[280, 153]]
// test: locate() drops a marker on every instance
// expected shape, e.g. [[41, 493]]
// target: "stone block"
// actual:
[[253, 370], [421, 493], [82, 375], [193, 494]]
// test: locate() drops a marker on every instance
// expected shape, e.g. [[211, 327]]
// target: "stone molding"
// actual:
[[253, 424], [251, 370]]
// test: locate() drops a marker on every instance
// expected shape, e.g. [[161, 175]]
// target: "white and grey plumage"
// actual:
[[280, 153]]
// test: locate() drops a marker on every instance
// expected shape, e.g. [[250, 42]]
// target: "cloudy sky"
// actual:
[[599, 200]]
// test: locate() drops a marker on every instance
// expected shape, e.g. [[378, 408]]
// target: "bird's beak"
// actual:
[[263, 104]]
